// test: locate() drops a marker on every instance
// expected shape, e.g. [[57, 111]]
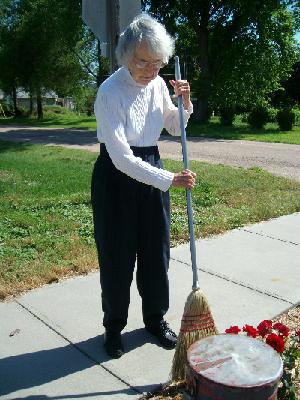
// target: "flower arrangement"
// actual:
[[287, 344]]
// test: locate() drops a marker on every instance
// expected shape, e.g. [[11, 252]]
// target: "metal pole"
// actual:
[[112, 7], [187, 191]]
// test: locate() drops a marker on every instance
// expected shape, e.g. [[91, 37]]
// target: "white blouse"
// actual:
[[130, 114]]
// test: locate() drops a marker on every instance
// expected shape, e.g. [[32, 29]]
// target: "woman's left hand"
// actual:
[[182, 87]]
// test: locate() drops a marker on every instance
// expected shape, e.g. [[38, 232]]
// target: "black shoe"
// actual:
[[167, 338], [113, 344]]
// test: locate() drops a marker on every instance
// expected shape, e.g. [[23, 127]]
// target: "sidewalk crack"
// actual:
[[268, 236], [236, 282]]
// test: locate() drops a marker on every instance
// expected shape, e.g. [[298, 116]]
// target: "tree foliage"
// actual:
[[37, 46], [292, 85], [88, 50], [238, 51], [9, 48]]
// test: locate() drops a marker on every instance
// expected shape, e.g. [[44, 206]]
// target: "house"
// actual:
[[50, 98]]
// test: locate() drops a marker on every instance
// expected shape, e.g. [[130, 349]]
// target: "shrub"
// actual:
[[53, 111], [227, 115], [84, 99], [8, 109], [258, 117], [297, 116], [21, 111], [272, 112], [56, 109], [285, 119], [244, 117]]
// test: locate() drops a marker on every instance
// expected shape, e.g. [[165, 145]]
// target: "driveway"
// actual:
[[277, 158]]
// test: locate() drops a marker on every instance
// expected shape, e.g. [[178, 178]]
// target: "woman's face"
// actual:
[[144, 65]]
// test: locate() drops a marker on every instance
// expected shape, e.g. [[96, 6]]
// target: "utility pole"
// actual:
[[113, 30]]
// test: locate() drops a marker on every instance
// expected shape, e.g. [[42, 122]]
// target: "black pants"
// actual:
[[131, 223]]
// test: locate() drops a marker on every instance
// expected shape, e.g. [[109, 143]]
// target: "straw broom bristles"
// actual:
[[197, 323]]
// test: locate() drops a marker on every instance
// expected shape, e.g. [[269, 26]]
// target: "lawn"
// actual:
[[242, 131], [46, 229], [239, 131], [65, 120]]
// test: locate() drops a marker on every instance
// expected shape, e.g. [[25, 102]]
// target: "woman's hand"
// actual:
[[182, 88], [185, 179]]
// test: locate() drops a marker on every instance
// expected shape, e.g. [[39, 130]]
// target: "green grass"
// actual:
[[45, 215], [227, 198], [46, 228], [239, 131], [51, 120]]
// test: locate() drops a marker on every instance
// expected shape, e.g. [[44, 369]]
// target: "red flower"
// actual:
[[276, 342], [282, 329], [251, 331], [264, 327], [298, 333], [233, 329]]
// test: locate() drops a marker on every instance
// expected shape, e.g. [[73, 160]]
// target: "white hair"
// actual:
[[144, 29]]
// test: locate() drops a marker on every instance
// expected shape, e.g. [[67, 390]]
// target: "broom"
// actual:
[[197, 321]]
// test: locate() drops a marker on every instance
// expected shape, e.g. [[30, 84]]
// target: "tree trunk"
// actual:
[[17, 112], [39, 104], [99, 75], [201, 111], [30, 103]]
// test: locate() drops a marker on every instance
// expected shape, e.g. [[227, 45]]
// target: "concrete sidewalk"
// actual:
[[55, 351]]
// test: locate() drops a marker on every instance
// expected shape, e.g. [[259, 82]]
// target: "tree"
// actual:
[[38, 49], [48, 61], [292, 85], [48, 48], [239, 50], [288, 95], [88, 51], [95, 67], [9, 66]]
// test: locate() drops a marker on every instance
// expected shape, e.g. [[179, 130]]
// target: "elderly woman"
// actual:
[[130, 195]]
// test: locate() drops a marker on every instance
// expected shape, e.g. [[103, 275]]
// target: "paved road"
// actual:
[[277, 158]]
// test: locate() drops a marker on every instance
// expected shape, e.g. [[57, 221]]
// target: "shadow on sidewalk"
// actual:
[[78, 396], [29, 370]]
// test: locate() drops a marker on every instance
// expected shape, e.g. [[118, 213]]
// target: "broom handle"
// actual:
[[187, 191]]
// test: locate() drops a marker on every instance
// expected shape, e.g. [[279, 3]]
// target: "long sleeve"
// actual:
[[171, 116], [112, 117]]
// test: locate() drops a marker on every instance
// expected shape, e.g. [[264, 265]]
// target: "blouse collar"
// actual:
[[129, 79]]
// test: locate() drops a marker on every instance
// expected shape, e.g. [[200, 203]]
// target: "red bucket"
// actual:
[[233, 367]]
